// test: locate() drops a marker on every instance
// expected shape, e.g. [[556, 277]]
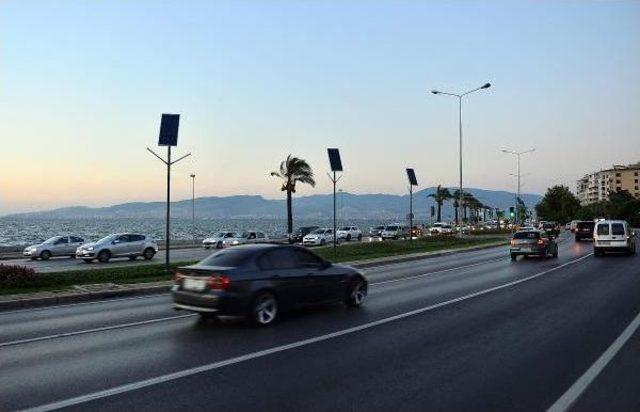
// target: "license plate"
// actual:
[[604, 242], [194, 284]]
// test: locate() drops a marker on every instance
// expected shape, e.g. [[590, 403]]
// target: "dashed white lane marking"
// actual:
[[102, 329]]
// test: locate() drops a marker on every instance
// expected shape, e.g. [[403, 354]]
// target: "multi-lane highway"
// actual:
[[471, 331]]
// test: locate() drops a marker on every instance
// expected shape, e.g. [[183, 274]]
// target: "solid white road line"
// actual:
[[577, 389], [102, 329], [243, 358]]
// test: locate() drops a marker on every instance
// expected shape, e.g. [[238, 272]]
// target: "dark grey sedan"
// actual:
[[260, 281]]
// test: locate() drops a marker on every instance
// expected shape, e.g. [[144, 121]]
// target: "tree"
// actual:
[[621, 205], [293, 170], [558, 204], [440, 196]]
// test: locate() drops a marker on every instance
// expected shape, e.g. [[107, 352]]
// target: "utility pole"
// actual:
[[460, 96], [193, 206], [517, 200]]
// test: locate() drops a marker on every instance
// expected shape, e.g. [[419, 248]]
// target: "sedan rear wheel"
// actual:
[[148, 253], [264, 309], [357, 294]]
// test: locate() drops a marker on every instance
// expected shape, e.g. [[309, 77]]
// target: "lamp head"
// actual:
[[486, 86], [435, 92]]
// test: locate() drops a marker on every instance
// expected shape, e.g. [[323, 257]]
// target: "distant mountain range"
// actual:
[[352, 206]]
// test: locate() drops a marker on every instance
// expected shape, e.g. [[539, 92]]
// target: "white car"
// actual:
[[395, 231], [441, 228], [349, 232], [613, 236], [218, 240], [318, 237], [244, 238]]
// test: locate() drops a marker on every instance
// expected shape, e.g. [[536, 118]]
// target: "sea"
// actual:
[[26, 231]]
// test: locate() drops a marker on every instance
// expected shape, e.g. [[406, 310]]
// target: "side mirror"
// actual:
[[115, 242]]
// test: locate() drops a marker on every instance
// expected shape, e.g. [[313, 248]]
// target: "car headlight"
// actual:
[[90, 248], [235, 242]]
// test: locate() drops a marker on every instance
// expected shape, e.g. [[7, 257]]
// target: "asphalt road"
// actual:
[[472, 331]]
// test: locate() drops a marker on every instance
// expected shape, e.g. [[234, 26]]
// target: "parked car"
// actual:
[[613, 236], [218, 240], [395, 231], [244, 238], [416, 231], [129, 245], [299, 234], [260, 281], [349, 232], [584, 230], [376, 231], [318, 237], [440, 228], [532, 243], [55, 246]]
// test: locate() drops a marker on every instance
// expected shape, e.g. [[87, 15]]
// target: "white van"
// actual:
[[613, 236]]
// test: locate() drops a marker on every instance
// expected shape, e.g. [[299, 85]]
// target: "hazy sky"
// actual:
[[83, 84]]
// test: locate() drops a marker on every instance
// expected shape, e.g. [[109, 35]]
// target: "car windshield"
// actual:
[[228, 258], [586, 225], [526, 235], [392, 228], [318, 231], [345, 228], [52, 239], [617, 229], [549, 225], [107, 239]]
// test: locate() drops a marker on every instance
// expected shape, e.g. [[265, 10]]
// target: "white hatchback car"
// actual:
[[318, 237], [613, 236], [349, 233]]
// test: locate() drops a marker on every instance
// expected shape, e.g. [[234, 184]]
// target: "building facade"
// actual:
[[596, 186]]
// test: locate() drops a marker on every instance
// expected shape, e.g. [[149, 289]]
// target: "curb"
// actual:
[[50, 298]]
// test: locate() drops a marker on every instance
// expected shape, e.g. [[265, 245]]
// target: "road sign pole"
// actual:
[[335, 235], [167, 241]]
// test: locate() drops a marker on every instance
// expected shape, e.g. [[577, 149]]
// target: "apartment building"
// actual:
[[596, 186]]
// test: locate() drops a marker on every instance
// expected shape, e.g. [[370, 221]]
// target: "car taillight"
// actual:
[[177, 278], [540, 242], [513, 242], [218, 282]]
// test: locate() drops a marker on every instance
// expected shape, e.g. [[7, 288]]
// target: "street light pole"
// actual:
[[193, 206], [460, 96], [518, 154]]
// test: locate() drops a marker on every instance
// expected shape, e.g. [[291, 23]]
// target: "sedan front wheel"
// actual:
[[357, 294]]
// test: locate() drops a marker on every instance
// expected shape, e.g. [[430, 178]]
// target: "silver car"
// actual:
[[129, 245], [56, 246]]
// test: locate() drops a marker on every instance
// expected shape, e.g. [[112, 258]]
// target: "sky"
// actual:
[[83, 85]]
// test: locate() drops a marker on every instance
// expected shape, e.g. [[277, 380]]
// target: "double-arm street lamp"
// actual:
[[460, 96], [518, 154]]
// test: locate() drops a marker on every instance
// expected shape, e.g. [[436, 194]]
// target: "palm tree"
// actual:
[[293, 170], [440, 196]]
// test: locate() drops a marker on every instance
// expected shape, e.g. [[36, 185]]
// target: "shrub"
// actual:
[[13, 276]]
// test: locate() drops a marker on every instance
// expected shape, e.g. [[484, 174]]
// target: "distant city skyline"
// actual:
[[83, 85]]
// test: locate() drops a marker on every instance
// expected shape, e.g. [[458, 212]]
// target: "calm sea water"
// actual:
[[19, 232]]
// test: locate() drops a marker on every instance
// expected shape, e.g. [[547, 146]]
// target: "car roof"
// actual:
[[612, 221]]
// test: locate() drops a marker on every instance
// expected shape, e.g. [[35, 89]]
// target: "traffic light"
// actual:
[[512, 212]]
